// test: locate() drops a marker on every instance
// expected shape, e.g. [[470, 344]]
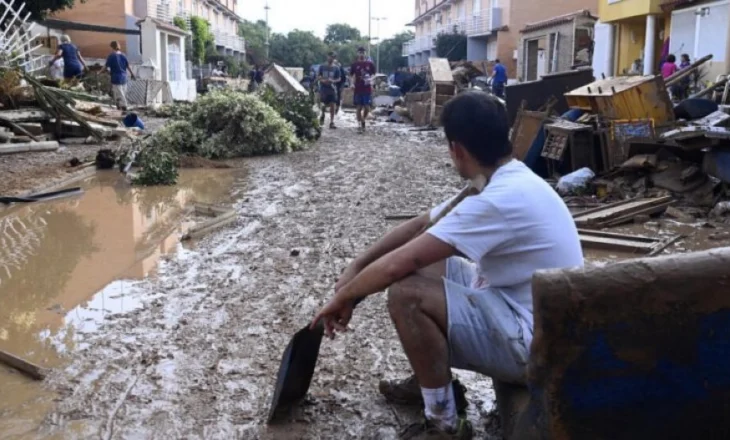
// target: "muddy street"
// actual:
[[197, 358]]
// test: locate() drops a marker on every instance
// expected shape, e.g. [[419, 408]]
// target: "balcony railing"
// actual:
[[229, 41], [479, 23]]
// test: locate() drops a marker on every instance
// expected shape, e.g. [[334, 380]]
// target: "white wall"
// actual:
[[700, 35]]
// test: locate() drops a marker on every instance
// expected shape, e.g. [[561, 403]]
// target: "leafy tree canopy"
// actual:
[[391, 52], [39, 9], [254, 32], [341, 33], [297, 49]]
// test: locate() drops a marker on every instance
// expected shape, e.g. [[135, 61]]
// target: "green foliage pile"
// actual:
[[159, 166], [296, 108], [175, 111], [236, 124]]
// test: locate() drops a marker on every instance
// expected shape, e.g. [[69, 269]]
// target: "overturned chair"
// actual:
[[638, 349]]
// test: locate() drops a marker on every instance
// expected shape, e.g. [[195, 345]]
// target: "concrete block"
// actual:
[[436, 119], [348, 97], [420, 113], [637, 349]]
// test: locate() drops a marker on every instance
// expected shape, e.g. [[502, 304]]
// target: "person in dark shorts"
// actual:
[[329, 77], [73, 63], [362, 70], [340, 86]]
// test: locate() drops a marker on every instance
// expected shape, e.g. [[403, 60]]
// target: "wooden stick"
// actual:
[[29, 369], [400, 216], [10, 124]]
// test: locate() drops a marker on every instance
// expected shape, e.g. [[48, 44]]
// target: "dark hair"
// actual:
[[497, 61], [361, 49], [332, 54], [685, 56], [671, 59], [114, 45], [479, 122]]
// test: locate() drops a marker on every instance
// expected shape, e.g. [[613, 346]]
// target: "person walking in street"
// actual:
[[685, 82], [362, 72], [74, 65], [118, 66], [460, 294], [340, 86], [499, 79], [329, 77]]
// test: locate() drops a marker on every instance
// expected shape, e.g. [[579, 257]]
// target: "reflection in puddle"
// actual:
[[66, 264]]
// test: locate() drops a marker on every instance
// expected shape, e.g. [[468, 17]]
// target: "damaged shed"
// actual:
[[555, 45]]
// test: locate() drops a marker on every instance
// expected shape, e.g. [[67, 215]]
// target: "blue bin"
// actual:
[[132, 120]]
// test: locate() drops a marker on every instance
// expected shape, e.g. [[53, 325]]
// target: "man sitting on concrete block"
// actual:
[[460, 295]]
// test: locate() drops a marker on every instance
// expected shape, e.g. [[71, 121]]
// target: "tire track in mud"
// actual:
[[208, 342]]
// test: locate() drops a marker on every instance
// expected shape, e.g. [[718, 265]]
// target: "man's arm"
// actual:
[[396, 265], [391, 241]]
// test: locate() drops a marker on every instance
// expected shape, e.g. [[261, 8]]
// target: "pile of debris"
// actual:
[[624, 150], [48, 115]]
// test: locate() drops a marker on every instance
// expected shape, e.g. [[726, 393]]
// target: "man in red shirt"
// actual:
[[362, 72]]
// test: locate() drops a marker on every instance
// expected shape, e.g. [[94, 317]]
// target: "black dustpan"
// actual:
[[296, 370]]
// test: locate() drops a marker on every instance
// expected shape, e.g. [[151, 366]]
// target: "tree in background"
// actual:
[[182, 24], [340, 33], [40, 8], [391, 50], [451, 45], [203, 42], [255, 35], [297, 49]]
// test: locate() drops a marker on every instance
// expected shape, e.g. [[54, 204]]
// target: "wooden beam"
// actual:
[[76, 26]]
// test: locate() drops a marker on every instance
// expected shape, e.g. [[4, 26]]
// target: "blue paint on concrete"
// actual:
[[691, 373]]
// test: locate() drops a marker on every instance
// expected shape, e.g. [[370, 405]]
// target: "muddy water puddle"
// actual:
[[66, 265]]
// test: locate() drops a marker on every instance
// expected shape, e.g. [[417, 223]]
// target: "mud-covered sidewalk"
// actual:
[[199, 359]]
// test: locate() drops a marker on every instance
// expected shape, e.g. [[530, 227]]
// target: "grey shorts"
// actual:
[[486, 333]]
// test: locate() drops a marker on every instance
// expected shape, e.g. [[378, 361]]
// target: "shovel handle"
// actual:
[[466, 192]]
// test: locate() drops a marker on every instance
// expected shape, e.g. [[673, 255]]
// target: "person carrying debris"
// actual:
[[460, 295], [74, 65], [329, 77], [118, 66], [362, 72], [499, 79]]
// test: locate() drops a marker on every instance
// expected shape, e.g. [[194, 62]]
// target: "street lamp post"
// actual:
[[266, 8], [370, 22], [377, 56]]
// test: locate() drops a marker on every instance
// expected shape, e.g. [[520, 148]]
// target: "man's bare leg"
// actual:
[[365, 112], [359, 118], [417, 306], [332, 115]]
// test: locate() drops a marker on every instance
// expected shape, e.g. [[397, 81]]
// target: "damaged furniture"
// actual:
[[633, 350]]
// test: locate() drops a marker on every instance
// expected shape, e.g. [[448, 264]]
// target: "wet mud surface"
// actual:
[[196, 357]]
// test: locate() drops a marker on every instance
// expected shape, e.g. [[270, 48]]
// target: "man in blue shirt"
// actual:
[[499, 79], [329, 77], [118, 66]]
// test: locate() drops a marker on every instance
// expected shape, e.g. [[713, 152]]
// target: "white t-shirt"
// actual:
[[517, 225]]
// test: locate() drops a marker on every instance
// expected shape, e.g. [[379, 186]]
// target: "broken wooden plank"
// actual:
[[24, 115], [29, 147], [440, 71], [29, 369], [616, 242], [621, 211], [221, 218]]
